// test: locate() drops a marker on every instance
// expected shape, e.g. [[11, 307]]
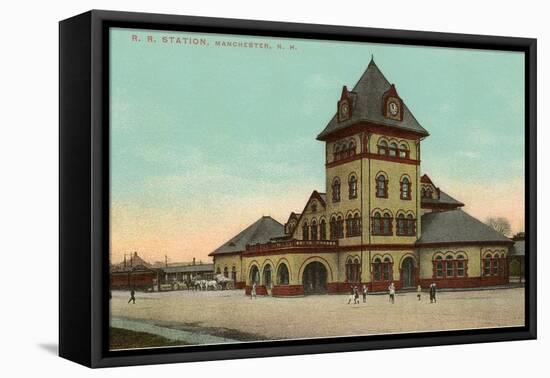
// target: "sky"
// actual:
[[206, 138]]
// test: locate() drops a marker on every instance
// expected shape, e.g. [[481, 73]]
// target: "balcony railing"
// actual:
[[270, 246]]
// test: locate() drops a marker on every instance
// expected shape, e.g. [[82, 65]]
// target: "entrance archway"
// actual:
[[407, 272], [314, 278], [267, 276]]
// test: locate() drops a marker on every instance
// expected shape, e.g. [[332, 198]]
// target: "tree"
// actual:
[[499, 224]]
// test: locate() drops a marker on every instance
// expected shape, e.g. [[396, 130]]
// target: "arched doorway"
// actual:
[[254, 275], [407, 272], [267, 276], [314, 278]]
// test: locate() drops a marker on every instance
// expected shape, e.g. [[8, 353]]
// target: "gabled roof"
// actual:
[[260, 231], [443, 200], [367, 96], [457, 226], [425, 179]]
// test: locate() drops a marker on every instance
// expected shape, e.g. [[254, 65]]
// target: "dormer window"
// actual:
[[344, 105], [344, 111], [392, 105]]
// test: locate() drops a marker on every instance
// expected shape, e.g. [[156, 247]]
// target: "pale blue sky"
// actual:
[[193, 124]]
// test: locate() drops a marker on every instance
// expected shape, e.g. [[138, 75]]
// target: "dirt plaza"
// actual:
[[233, 316]]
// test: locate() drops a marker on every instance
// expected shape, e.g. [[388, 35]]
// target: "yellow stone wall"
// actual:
[[296, 263], [474, 255], [229, 261]]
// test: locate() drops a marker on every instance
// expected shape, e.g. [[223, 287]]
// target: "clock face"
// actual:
[[344, 110], [394, 108]]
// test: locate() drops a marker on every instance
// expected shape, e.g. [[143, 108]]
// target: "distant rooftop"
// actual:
[[260, 231], [456, 226]]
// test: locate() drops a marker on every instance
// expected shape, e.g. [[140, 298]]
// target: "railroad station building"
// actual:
[[379, 220]]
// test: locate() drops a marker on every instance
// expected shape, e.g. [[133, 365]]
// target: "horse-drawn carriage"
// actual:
[[220, 282]]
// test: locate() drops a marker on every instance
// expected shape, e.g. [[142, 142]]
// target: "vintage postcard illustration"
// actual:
[[270, 189]]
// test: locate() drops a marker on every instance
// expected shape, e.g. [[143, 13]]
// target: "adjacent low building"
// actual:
[[379, 221]]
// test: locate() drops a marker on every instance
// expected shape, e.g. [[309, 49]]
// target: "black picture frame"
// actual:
[[84, 188]]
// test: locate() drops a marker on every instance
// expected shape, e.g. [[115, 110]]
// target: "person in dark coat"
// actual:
[[132, 296], [433, 291], [356, 295]]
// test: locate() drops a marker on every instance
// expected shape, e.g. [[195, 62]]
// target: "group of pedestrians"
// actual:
[[432, 290], [354, 294]]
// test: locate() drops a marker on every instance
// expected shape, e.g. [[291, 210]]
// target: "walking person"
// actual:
[[253, 291], [132, 296], [433, 291], [391, 290], [418, 292], [365, 293], [356, 295], [351, 295]]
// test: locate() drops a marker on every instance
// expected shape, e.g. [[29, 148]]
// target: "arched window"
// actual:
[[314, 230], [487, 265], [353, 270], [305, 231], [401, 225], [340, 227], [460, 266], [254, 275], [349, 225], [376, 222], [352, 187], [323, 230], [439, 267], [449, 266], [218, 271], [393, 149], [423, 193], [357, 224], [411, 225], [383, 147], [429, 193], [333, 228], [282, 275], [405, 189], [387, 269], [226, 272], [267, 276], [387, 224], [496, 265], [381, 186], [377, 269], [336, 190], [403, 151]]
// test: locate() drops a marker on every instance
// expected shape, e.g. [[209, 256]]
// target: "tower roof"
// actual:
[[367, 105], [260, 231]]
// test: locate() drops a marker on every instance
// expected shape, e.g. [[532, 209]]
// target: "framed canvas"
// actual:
[[234, 188]]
